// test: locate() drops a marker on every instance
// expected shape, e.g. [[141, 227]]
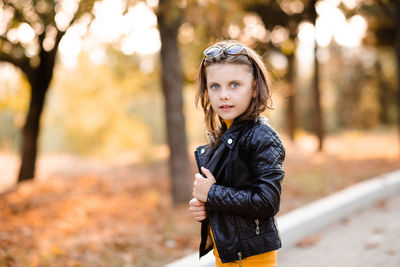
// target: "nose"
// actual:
[[224, 95]]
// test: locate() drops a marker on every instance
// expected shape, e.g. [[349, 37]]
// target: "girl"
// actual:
[[237, 190]]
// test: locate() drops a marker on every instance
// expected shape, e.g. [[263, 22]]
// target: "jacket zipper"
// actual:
[[239, 253], [257, 221], [240, 258], [257, 226]]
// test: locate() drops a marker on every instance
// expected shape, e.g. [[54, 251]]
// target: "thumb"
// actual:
[[208, 173]]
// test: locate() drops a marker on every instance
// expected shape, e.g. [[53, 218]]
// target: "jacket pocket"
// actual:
[[251, 227], [259, 235], [260, 244]]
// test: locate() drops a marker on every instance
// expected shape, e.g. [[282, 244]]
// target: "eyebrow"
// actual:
[[236, 81], [230, 81]]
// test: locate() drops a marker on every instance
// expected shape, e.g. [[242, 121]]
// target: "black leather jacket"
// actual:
[[248, 168]]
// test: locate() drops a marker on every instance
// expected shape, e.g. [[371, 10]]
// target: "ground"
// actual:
[[87, 213]]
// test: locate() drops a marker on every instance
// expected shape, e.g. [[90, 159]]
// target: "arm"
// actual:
[[267, 154]]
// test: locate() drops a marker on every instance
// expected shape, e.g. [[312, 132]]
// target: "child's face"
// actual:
[[230, 89]]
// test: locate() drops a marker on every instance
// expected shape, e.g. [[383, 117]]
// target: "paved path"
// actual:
[[370, 237]]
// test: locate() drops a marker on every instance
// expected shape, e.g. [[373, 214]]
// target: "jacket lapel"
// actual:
[[210, 157]]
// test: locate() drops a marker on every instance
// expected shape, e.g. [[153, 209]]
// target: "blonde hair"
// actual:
[[262, 100]]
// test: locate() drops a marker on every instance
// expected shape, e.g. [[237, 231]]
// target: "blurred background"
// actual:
[[98, 122]]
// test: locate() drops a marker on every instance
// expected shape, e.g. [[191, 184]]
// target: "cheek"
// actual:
[[249, 94], [212, 98], [247, 97]]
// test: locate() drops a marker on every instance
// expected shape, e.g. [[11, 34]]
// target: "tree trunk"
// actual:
[[318, 124], [385, 94], [39, 80], [291, 104], [171, 76], [39, 77], [397, 51], [30, 132], [397, 48], [318, 116]]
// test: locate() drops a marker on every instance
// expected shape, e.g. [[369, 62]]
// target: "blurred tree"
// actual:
[[319, 123], [169, 16], [383, 31], [392, 10], [289, 14], [91, 108], [273, 17], [386, 94], [31, 32], [356, 105]]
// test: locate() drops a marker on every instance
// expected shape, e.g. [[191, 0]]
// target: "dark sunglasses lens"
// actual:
[[213, 51], [235, 49]]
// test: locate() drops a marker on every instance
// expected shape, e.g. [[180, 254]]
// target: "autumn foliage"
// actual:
[[123, 215]]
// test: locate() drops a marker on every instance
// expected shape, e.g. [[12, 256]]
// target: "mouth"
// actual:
[[225, 107]]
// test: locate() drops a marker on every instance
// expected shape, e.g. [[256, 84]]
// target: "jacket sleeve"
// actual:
[[266, 154]]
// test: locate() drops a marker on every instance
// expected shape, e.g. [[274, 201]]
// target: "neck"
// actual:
[[228, 123]]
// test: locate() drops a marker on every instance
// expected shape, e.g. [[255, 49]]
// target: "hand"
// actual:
[[202, 185], [197, 209]]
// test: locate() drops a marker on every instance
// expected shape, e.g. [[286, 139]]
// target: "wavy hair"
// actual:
[[261, 85]]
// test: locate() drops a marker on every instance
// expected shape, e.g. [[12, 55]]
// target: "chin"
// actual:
[[228, 118]]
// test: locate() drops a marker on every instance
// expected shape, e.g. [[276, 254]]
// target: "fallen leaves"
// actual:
[[310, 240], [94, 221], [123, 216]]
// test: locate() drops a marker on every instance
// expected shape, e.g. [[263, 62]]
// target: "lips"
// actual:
[[225, 107]]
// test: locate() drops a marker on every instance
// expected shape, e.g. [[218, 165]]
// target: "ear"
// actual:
[[254, 87]]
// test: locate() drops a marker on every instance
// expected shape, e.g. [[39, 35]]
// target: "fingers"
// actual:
[[200, 218], [196, 205], [208, 174], [202, 185], [198, 195], [194, 202], [198, 186], [197, 209], [206, 171], [198, 178]]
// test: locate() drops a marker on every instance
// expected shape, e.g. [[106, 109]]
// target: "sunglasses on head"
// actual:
[[232, 50]]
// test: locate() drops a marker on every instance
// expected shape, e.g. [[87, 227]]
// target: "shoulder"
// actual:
[[261, 133], [264, 146]]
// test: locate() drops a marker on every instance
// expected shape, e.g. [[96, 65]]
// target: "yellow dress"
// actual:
[[267, 259]]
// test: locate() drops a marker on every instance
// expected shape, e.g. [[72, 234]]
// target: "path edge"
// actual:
[[305, 221]]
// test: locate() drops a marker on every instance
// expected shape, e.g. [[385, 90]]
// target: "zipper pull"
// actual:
[[257, 226], [240, 258]]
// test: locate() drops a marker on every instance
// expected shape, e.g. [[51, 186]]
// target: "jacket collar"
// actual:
[[231, 136]]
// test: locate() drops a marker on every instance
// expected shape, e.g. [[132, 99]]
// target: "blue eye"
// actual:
[[214, 86], [234, 85]]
